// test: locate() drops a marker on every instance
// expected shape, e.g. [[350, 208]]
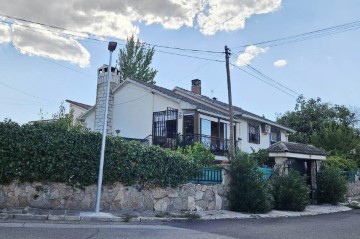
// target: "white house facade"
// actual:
[[178, 117]]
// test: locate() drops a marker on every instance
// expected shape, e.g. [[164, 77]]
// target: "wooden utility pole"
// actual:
[[231, 113]]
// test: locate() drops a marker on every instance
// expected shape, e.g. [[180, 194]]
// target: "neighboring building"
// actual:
[[170, 118], [78, 109]]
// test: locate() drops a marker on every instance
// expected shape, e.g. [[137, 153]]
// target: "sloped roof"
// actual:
[[291, 147], [238, 112], [81, 105], [174, 95], [210, 105]]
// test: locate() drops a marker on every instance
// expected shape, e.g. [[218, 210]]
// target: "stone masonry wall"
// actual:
[[117, 196], [354, 189]]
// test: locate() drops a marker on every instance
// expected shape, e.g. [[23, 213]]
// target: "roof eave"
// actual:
[[266, 121], [297, 155]]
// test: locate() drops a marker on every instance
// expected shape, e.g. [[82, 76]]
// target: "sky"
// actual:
[[279, 50]]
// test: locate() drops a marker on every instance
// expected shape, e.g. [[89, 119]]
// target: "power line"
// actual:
[[63, 33], [95, 39], [269, 78], [266, 76], [309, 35], [195, 57], [69, 68], [266, 82], [24, 92], [39, 23], [185, 49], [129, 101]]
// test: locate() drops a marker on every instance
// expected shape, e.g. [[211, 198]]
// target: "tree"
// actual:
[[331, 127], [313, 116], [135, 59]]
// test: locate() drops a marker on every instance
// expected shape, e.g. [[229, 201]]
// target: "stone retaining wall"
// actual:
[[117, 196], [354, 189]]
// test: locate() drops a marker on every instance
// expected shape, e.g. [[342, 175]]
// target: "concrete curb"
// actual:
[[77, 215]]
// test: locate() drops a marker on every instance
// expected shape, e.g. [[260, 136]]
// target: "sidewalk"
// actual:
[[153, 216]]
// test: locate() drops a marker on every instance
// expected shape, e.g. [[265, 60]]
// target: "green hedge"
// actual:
[[248, 190], [332, 186], [58, 153], [290, 191]]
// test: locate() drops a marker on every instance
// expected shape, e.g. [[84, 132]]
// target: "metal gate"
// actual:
[[165, 128]]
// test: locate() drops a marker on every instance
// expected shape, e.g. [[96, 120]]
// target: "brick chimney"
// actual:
[[196, 86]]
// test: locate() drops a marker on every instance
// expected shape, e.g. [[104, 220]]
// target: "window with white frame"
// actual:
[[254, 133]]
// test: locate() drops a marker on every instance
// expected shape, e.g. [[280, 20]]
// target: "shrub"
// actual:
[[290, 191], [199, 154], [56, 152], [341, 162], [332, 186], [248, 191]]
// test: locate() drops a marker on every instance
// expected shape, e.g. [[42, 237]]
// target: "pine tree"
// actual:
[[135, 59]]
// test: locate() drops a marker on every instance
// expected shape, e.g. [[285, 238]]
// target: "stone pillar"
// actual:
[[101, 97], [226, 175], [280, 163], [313, 176]]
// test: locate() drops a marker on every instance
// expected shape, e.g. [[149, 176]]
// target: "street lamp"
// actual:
[[111, 48]]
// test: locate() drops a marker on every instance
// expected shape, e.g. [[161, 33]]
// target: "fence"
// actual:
[[208, 176], [267, 172], [350, 175]]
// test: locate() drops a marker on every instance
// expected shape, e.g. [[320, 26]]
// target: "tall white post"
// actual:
[[111, 48]]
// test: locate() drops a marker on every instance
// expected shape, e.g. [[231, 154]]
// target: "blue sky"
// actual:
[[40, 71]]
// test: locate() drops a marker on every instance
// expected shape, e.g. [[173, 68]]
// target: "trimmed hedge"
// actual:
[[58, 153]]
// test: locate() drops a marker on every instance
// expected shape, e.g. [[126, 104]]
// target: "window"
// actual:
[[254, 133], [275, 135], [188, 124], [205, 127]]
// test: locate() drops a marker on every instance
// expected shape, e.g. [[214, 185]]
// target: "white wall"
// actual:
[[90, 121], [76, 111], [133, 110], [246, 146]]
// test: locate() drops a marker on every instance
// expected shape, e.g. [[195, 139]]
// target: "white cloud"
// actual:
[[50, 45], [230, 15], [5, 34], [120, 18], [280, 63], [250, 53]]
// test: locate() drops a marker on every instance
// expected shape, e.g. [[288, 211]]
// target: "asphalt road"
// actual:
[[344, 225], [338, 225]]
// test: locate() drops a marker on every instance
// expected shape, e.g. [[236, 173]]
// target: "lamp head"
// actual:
[[112, 46]]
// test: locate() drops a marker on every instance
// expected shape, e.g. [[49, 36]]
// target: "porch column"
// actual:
[[313, 182], [280, 163]]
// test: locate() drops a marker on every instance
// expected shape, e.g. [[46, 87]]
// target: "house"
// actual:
[[78, 109], [178, 117]]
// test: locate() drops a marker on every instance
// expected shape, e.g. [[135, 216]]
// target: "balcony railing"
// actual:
[[218, 146]]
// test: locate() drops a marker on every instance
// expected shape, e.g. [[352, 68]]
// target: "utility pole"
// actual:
[[231, 113]]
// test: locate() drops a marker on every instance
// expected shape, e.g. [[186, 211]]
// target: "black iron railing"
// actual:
[[218, 146]]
